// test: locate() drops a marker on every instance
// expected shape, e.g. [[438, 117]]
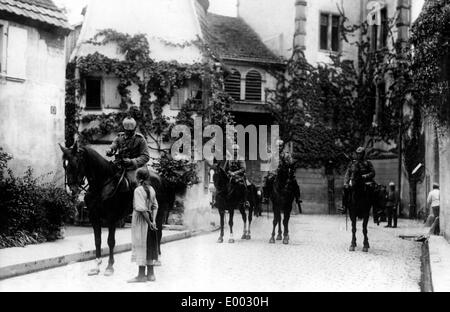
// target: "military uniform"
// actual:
[[366, 169], [233, 166], [134, 148]]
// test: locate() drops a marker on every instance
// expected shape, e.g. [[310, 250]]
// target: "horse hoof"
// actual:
[[272, 241], [231, 241], [279, 238], [220, 240], [109, 272], [244, 237], [151, 278], [365, 249], [286, 241], [94, 272], [352, 248], [249, 237]]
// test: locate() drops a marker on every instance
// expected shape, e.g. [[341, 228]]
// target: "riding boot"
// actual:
[[141, 278]]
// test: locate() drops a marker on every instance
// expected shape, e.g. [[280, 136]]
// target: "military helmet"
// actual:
[[236, 147], [129, 124], [280, 142], [392, 184]]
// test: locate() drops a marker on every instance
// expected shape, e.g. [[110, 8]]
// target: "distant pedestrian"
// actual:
[[434, 204], [143, 231], [392, 202]]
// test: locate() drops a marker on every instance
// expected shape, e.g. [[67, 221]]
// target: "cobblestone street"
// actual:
[[316, 260]]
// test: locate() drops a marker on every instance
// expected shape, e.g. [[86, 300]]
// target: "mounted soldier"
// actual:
[[130, 150], [359, 194], [361, 166], [236, 168]]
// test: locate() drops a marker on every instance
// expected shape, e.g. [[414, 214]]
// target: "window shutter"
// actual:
[[233, 85], [16, 57], [253, 88]]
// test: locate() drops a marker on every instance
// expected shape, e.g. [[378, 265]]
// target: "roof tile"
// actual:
[[41, 10], [232, 38]]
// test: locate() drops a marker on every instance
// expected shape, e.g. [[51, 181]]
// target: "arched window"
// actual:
[[233, 85], [253, 88]]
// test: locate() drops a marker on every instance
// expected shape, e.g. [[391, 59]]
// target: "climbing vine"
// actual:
[[157, 82]]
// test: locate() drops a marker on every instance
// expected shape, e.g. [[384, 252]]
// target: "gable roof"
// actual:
[[232, 39], [43, 11]]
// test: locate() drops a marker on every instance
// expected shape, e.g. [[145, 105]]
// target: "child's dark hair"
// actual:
[[143, 177]]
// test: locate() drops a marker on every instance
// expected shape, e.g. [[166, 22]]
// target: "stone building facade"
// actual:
[[32, 84]]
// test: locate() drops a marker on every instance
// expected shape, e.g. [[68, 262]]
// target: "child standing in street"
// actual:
[[143, 231]]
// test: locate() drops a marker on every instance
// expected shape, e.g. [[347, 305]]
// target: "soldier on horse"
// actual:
[[130, 150], [359, 194]]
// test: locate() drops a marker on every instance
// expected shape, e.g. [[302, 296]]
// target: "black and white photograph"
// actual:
[[225, 146]]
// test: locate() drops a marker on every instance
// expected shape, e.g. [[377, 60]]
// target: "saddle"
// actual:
[[118, 184]]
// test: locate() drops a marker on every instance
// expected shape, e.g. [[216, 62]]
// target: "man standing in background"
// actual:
[[434, 202]]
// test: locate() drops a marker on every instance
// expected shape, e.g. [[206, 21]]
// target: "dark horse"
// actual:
[[229, 195], [282, 188], [358, 201], [82, 163]]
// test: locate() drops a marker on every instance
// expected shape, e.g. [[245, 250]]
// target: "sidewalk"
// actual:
[[78, 245], [440, 263]]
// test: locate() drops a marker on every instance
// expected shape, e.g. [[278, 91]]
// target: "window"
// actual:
[[178, 99], [330, 39], [253, 88], [93, 93], [379, 33], [233, 85], [324, 32]]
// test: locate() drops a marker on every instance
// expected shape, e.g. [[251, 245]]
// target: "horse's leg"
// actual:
[[222, 225], [280, 236], [244, 218], [366, 238], [230, 223], [96, 224], [111, 243], [275, 222], [287, 216], [250, 219], [353, 244]]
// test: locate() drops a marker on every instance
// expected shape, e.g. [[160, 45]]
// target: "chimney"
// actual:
[[300, 25], [204, 4]]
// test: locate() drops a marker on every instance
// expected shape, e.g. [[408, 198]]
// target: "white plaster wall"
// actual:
[[445, 184], [274, 21], [28, 130], [313, 10], [174, 20]]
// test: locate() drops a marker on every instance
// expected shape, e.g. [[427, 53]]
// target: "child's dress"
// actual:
[[143, 240]]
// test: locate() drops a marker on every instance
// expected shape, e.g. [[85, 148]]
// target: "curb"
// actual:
[[426, 281], [51, 263]]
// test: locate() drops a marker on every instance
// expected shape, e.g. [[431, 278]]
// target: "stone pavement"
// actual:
[[317, 259], [78, 245]]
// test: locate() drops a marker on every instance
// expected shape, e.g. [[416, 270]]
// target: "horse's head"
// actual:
[[74, 167], [220, 176]]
